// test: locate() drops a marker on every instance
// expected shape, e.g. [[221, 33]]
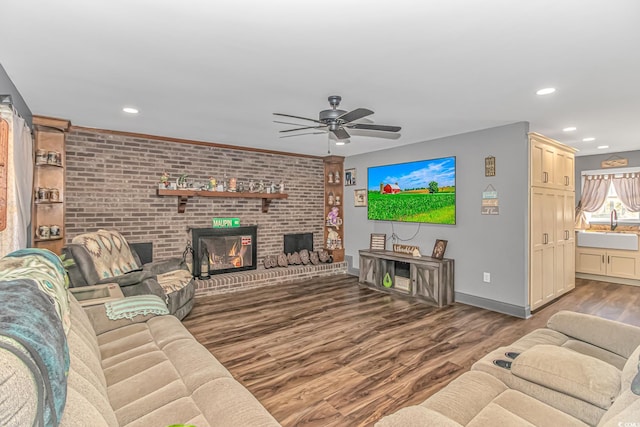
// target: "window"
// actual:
[[613, 202]]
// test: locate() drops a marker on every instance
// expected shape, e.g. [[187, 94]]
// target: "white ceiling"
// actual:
[[217, 70]]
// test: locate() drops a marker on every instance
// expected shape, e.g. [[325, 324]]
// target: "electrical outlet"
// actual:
[[486, 277]]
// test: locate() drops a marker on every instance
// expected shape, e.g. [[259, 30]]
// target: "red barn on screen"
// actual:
[[391, 189]]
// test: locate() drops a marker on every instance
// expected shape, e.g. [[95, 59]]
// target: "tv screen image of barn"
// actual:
[[422, 191]]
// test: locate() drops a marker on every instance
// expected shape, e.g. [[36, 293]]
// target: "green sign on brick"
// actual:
[[225, 222]]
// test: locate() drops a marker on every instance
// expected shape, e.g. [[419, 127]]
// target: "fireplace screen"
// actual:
[[230, 249]]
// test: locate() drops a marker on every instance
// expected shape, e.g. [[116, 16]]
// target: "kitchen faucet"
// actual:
[[614, 219]]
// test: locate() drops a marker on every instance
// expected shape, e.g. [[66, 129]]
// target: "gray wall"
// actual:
[[586, 163], [478, 243], [8, 88]]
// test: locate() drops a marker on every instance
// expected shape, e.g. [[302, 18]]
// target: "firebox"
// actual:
[[230, 249]]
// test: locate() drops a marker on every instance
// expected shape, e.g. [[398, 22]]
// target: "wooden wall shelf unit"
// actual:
[[422, 278], [334, 199], [184, 195], [50, 136]]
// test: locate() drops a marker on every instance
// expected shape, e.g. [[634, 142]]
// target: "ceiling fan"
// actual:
[[336, 121]]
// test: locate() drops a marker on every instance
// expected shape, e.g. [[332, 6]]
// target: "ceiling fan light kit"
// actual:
[[337, 121]]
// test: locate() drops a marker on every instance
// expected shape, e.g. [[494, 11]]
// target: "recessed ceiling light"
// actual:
[[569, 129], [602, 147], [588, 139], [340, 142], [130, 110], [546, 91]]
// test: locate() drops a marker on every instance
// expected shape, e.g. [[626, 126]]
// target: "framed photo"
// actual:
[[350, 177], [439, 248], [360, 197]]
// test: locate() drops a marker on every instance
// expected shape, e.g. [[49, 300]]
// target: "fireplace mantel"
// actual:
[[183, 196]]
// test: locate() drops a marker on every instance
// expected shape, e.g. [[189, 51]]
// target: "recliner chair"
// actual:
[[105, 256]]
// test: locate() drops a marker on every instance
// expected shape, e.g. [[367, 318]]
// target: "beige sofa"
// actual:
[[577, 371], [149, 371]]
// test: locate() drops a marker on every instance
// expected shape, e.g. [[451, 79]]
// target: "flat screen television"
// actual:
[[423, 191]]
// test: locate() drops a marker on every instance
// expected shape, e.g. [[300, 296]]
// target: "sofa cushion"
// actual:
[[416, 416], [627, 398], [130, 307], [569, 372]]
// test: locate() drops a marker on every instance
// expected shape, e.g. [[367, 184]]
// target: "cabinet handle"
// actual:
[[566, 234], [603, 259], [545, 238], [545, 177], [566, 181], [608, 259]]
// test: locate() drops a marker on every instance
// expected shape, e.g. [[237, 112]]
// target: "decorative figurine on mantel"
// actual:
[[240, 187], [261, 186], [164, 181], [272, 187], [232, 185], [181, 181], [212, 184], [281, 186], [252, 186]]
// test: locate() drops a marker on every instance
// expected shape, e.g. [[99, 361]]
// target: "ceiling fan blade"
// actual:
[[296, 117], [300, 134], [374, 134], [356, 114], [304, 128], [340, 133], [288, 123], [366, 126]]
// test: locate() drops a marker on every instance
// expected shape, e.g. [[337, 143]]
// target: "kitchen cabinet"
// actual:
[[608, 262], [551, 221]]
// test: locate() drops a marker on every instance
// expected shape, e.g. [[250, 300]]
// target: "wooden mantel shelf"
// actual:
[[183, 196]]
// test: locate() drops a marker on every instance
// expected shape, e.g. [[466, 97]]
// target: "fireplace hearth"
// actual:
[[230, 249]]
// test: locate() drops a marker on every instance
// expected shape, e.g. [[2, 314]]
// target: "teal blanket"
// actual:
[[28, 317]]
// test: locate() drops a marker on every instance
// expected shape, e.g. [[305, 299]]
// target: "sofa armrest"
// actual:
[[616, 337], [417, 416], [101, 323], [165, 266], [128, 279]]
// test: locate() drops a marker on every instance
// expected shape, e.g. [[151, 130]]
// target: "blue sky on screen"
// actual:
[[414, 174]]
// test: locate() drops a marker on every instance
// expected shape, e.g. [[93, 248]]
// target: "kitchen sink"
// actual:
[[608, 240]]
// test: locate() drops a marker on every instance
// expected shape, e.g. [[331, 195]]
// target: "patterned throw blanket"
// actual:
[[28, 321], [110, 252]]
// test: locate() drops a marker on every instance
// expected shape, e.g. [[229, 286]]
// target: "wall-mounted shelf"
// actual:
[[184, 195]]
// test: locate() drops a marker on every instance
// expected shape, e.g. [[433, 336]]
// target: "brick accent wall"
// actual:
[[112, 179]]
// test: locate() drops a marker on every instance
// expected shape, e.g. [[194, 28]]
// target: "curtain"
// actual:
[[20, 183], [594, 193], [628, 188]]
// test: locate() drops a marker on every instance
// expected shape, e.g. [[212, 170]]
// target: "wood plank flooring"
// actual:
[[327, 352]]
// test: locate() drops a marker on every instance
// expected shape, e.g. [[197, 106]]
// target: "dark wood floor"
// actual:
[[330, 353]]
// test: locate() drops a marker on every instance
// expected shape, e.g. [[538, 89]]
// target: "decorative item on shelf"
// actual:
[[252, 186], [360, 197], [272, 187], [439, 248], [337, 200], [42, 194], [233, 185], [240, 187], [406, 249], [490, 166], [44, 232], [211, 186], [333, 220], [41, 157], [331, 199], [336, 177], [164, 181], [261, 186], [187, 256], [181, 181], [54, 230], [350, 177], [386, 281], [204, 262], [330, 178], [267, 188], [54, 158], [281, 186], [378, 242], [333, 240]]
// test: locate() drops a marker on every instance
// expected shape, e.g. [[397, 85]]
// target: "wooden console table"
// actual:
[[423, 278]]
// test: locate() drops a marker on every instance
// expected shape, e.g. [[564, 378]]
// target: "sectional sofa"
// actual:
[[64, 365], [580, 370]]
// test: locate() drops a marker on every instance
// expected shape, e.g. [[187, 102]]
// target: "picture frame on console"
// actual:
[[439, 248]]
